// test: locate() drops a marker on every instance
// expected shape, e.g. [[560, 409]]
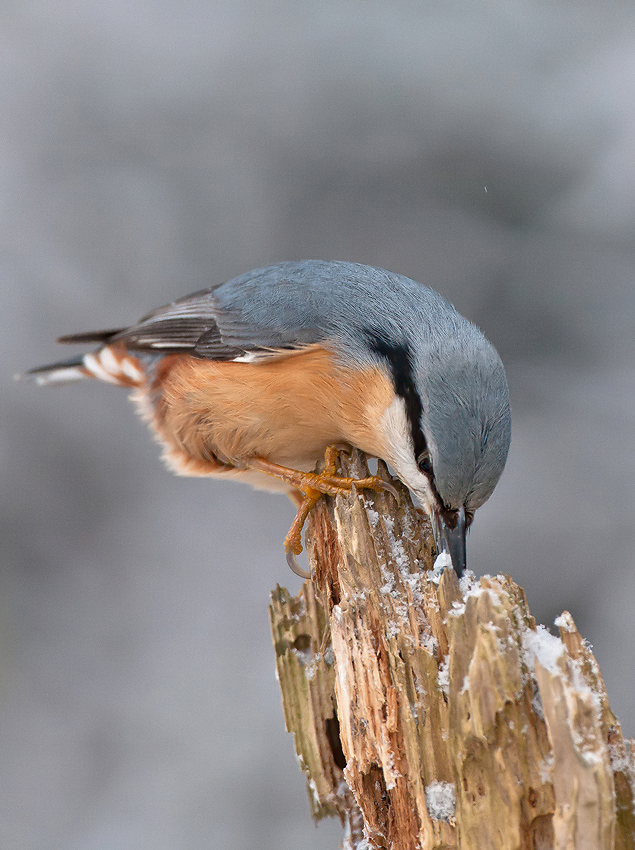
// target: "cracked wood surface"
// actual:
[[437, 715]]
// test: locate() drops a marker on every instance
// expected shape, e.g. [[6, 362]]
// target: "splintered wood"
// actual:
[[438, 715]]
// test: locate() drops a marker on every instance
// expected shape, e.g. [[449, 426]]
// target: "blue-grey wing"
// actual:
[[189, 329], [293, 305], [263, 311]]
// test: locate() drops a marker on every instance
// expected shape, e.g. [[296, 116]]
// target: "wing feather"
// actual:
[[209, 326]]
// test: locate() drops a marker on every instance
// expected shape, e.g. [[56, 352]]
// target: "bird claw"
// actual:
[[388, 488], [308, 487], [295, 567]]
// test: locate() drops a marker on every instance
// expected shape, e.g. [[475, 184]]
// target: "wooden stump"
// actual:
[[438, 715]]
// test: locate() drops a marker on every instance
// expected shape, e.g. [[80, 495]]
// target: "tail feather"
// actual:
[[75, 368], [89, 337], [64, 371], [110, 363]]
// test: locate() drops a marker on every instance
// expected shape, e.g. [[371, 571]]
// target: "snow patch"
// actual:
[[563, 623], [441, 800], [443, 677], [314, 793], [429, 642], [545, 647], [621, 759], [536, 704], [442, 561], [391, 774], [544, 768], [467, 582], [457, 609], [396, 546], [304, 656], [389, 588], [373, 515]]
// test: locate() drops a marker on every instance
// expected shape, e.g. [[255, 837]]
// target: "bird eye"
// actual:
[[424, 463]]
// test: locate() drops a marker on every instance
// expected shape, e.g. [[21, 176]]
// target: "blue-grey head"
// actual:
[[448, 430]]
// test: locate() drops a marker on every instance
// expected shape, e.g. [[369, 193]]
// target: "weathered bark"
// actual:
[[437, 715]]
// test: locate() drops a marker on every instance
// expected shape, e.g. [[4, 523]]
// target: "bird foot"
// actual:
[[311, 486]]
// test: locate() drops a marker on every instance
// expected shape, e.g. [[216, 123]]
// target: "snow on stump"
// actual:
[[432, 713]]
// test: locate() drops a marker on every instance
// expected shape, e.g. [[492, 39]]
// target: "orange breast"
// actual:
[[211, 415]]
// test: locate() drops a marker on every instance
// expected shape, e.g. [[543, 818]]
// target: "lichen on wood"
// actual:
[[435, 714]]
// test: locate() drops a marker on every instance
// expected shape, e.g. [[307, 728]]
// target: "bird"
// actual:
[[261, 377]]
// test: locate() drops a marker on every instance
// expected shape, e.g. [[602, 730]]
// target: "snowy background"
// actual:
[[149, 149]]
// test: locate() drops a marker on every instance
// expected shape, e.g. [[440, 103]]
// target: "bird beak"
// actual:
[[451, 539]]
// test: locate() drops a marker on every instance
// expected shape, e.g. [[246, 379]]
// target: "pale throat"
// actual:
[[398, 451]]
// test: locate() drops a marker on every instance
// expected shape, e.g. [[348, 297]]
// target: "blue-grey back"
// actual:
[[297, 303]]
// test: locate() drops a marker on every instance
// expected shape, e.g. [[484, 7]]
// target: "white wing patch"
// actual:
[[249, 357], [274, 353], [170, 343]]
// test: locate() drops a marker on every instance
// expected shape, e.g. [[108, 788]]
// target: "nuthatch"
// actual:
[[260, 377]]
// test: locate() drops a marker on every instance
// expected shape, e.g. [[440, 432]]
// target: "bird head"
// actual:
[[448, 431]]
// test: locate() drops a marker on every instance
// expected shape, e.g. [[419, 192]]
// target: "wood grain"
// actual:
[[438, 715]]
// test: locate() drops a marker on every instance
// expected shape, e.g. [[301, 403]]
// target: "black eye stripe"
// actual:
[[399, 358]]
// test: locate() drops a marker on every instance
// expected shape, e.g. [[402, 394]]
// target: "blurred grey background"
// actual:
[[149, 149]]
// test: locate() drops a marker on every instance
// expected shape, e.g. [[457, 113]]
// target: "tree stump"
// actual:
[[432, 713]]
